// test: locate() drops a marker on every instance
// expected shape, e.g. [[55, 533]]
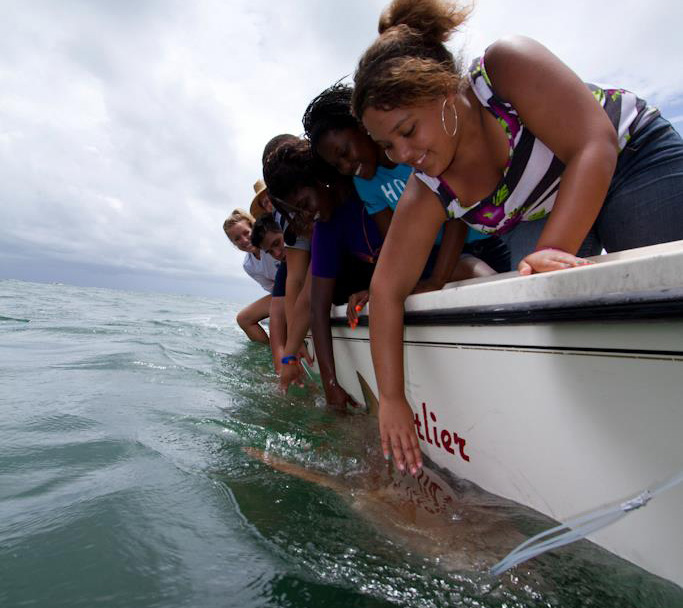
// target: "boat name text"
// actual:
[[446, 440]]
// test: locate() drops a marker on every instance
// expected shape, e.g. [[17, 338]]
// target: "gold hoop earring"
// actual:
[[386, 153], [443, 118]]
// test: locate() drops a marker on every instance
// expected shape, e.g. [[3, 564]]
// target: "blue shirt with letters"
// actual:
[[385, 189]]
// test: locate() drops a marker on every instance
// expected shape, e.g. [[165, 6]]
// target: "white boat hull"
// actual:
[[563, 412]]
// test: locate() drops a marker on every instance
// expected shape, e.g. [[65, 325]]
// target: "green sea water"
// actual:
[[126, 480]]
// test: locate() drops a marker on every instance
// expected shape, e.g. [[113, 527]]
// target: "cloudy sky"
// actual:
[[130, 128]]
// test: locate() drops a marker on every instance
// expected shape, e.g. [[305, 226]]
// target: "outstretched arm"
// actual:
[[298, 322], [560, 110], [297, 267], [407, 246], [278, 330], [321, 301]]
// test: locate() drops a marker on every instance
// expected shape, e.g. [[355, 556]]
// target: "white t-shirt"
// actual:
[[263, 270]]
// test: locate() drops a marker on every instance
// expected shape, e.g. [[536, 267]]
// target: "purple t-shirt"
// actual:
[[350, 231]]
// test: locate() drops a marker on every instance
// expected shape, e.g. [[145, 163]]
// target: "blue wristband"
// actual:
[[289, 359]]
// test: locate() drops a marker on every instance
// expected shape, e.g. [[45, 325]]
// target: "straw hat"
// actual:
[[255, 209]]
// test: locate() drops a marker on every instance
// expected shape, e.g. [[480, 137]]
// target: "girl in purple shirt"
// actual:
[[344, 247]]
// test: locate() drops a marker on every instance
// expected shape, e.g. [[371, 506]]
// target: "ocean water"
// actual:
[[147, 460]]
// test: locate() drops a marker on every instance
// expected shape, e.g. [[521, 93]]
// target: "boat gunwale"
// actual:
[[657, 304]]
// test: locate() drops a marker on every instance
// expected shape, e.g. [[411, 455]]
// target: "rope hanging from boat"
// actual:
[[579, 527]]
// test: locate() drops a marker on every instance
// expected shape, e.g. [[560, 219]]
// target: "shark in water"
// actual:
[[423, 514]]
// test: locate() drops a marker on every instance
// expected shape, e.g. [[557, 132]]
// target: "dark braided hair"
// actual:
[[329, 111]]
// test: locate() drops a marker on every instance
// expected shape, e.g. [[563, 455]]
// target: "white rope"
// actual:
[[579, 527]]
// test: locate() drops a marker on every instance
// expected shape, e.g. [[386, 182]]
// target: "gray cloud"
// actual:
[[129, 129]]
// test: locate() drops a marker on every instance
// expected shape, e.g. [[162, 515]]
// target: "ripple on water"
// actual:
[[125, 480]]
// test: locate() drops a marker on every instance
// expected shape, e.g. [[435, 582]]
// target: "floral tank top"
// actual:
[[532, 175]]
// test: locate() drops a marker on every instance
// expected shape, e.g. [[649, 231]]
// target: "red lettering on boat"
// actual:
[[449, 439]]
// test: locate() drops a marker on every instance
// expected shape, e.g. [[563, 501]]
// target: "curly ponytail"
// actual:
[[409, 63], [436, 20]]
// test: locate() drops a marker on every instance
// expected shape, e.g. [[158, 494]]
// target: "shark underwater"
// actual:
[[423, 514], [428, 515]]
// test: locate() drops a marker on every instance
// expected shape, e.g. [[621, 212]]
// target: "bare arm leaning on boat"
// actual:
[[561, 111]]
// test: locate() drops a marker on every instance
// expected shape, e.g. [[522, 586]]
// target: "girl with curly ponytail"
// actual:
[[515, 146]]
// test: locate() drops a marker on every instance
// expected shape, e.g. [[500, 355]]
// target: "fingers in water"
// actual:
[[386, 446], [417, 452], [409, 453], [398, 454]]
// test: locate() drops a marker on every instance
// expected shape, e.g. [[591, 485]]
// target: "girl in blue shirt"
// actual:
[[340, 141]]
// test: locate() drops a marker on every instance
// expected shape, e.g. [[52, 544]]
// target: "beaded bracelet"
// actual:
[[289, 360]]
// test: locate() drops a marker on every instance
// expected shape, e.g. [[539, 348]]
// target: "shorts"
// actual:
[[280, 281]]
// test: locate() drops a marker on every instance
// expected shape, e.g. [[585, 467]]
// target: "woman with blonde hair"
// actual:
[[260, 266], [515, 146]]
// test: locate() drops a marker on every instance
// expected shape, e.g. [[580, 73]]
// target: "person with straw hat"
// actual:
[[260, 204]]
